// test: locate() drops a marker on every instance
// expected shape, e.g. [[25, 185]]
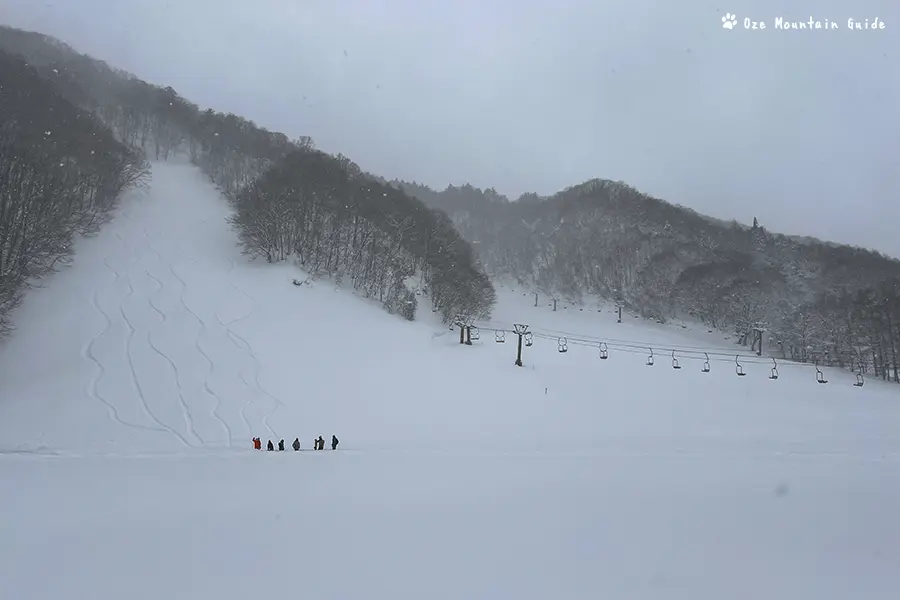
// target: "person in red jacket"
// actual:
[[257, 444]]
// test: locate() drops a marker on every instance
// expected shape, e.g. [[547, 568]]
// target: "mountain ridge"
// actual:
[[818, 301]]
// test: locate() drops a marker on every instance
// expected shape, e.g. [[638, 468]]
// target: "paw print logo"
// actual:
[[729, 21]]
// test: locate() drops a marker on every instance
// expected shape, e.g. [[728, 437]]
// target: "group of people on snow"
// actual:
[[318, 444]]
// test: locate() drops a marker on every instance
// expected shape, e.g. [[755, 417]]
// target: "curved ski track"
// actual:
[[134, 377], [203, 328], [249, 349], [239, 342], [136, 381], [206, 386], [245, 346], [91, 387], [185, 411], [249, 401], [184, 407]]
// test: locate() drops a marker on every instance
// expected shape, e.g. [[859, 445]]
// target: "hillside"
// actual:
[[138, 375], [291, 200], [816, 301]]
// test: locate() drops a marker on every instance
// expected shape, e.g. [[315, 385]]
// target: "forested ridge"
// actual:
[[291, 201], [814, 301], [61, 175]]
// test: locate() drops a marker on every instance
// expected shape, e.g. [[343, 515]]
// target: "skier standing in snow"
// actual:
[[334, 442], [270, 447], [321, 443], [296, 444], [257, 444], [281, 446]]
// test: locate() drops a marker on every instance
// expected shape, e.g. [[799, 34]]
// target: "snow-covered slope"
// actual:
[[137, 377]]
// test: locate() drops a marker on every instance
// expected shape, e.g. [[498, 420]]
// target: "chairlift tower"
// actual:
[[520, 330], [464, 322], [758, 330]]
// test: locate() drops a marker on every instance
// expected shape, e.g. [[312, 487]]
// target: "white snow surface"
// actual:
[[138, 375]]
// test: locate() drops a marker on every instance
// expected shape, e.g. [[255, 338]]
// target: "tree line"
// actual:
[[291, 201], [815, 301], [61, 175], [335, 219]]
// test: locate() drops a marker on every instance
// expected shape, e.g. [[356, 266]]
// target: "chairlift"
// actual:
[[675, 364], [774, 374], [705, 368], [604, 351], [650, 358], [738, 368], [859, 380], [473, 333], [529, 339], [563, 344], [820, 376], [500, 337]]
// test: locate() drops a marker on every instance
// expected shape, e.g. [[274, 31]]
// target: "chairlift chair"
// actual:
[[650, 358], [473, 333], [705, 368], [604, 351], [529, 339], [563, 344], [500, 337], [774, 374], [820, 376], [738, 368], [675, 364]]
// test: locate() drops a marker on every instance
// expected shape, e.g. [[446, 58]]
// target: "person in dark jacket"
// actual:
[[270, 446], [334, 442], [321, 442], [296, 444], [281, 446]]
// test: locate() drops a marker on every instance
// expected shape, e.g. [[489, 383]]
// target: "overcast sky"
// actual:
[[798, 128]]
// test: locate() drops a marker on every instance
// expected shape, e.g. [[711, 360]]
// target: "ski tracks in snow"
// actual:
[[88, 353], [215, 413], [128, 355], [203, 328], [226, 327], [184, 407], [242, 344], [146, 303]]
